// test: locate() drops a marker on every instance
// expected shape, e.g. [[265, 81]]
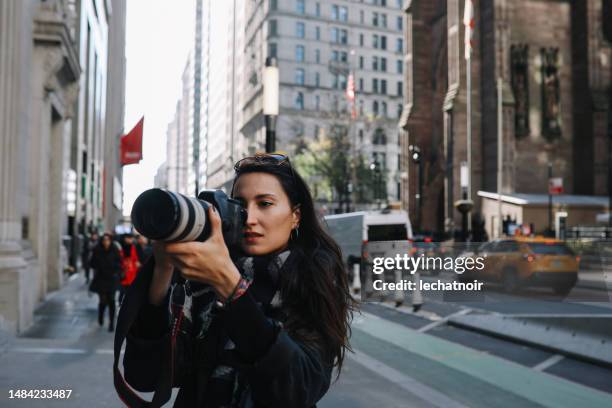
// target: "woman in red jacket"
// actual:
[[129, 262]]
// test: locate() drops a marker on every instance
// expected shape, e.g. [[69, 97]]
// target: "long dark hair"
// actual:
[[318, 294]]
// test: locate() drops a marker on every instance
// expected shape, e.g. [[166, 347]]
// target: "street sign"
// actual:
[[555, 185]]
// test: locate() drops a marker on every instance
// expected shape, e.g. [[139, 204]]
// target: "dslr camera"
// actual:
[[163, 215]]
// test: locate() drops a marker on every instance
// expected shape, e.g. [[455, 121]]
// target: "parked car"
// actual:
[[527, 261]]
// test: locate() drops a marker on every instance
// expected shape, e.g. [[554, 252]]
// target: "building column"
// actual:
[[12, 263]]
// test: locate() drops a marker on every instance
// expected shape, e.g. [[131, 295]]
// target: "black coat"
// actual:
[[107, 269], [278, 370]]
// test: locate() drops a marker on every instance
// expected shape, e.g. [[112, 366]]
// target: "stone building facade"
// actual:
[[42, 112], [554, 64]]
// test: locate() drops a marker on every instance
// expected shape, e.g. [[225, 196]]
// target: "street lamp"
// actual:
[[415, 155], [270, 102], [375, 167], [465, 205]]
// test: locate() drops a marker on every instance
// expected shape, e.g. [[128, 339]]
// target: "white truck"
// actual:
[[364, 235]]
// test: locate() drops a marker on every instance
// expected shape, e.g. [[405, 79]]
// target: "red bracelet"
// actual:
[[240, 289]]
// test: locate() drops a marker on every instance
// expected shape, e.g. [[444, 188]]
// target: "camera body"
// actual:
[[163, 215]]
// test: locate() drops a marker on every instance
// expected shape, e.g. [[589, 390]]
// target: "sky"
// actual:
[[159, 36]]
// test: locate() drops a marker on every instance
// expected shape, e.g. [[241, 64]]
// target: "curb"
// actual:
[[566, 336]]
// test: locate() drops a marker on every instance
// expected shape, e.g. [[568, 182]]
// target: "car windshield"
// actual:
[[550, 249]]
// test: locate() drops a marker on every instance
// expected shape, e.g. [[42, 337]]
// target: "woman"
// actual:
[[281, 318], [106, 263]]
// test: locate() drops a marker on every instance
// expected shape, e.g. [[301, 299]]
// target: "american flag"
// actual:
[[468, 21], [350, 94]]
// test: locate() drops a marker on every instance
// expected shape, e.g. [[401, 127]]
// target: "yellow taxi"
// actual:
[[528, 261]]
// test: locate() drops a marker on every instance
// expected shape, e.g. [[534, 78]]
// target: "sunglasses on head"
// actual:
[[262, 158]]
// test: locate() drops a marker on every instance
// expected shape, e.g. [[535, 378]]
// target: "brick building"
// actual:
[[555, 66]]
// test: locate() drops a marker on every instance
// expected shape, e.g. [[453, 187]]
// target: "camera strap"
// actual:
[[136, 297]]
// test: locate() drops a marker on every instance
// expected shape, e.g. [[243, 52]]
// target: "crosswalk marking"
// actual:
[[549, 362]]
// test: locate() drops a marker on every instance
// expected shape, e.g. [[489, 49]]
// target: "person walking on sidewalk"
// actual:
[[106, 263], [130, 262], [88, 246]]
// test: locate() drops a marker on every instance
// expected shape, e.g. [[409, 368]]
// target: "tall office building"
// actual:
[[317, 44]]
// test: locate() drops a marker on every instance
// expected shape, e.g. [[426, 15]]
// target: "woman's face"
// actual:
[[270, 218], [106, 242]]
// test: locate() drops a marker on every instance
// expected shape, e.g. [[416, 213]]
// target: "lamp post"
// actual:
[[270, 101], [415, 155]]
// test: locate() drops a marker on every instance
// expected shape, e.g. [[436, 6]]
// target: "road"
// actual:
[[400, 359]]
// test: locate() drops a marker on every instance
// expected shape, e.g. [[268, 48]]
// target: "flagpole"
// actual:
[[499, 157], [468, 20]]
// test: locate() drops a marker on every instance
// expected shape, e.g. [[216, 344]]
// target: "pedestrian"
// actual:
[[88, 245], [143, 248], [277, 319], [130, 263], [106, 263]]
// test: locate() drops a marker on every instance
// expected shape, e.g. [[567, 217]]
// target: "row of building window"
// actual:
[[340, 13], [378, 63], [338, 36], [379, 86], [379, 108]]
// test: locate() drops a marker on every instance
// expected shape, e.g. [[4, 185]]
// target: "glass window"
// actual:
[[400, 23], [343, 37], [400, 88], [400, 108], [383, 42], [317, 107], [318, 33], [299, 53], [375, 107], [383, 3], [379, 137], [361, 16], [361, 84], [272, 50], [383, 106], [375, 63], [375, 40], [383, 86], [317, 79], [361, 40], [361, 114], [399, 45], [335, 12], [383, 64], [299, 101], [375, 85], [299, 76], [273, 4], [300, 6], [299, 30], [339, 81], [318, 9], [400, 66], [361, 62], [318, 56], [272, 28], [361, 133], [343, 14], [383, 20], [375, 19]]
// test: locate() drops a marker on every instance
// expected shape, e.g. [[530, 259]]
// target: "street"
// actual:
[[400, 359]]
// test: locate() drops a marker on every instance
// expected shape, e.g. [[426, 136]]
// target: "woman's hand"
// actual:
[[207, 262]]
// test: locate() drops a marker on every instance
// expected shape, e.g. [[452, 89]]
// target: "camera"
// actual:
[[163, 215]]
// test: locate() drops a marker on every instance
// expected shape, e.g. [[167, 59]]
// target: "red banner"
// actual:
[[131, 145]]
